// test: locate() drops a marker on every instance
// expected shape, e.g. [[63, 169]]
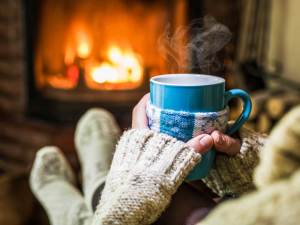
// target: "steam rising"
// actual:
[[194, 47]]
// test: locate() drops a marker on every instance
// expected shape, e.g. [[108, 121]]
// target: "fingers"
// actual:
[[139, 117], [220, 141], [225, 143], [202, 143]]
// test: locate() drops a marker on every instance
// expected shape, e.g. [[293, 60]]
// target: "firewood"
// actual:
[[264, 123], [250, 125], [278, 105], [258, 103]]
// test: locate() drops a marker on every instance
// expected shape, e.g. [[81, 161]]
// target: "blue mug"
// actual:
[[193, 94]]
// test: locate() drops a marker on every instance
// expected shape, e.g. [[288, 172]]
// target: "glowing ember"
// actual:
[[68, 81], [121, 67]]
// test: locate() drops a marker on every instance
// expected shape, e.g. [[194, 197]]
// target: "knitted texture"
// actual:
[[185, 125], [233, 174], [276, 201], [51, 182], [276, 204], [96, 137], [282, 148], [146, 171]]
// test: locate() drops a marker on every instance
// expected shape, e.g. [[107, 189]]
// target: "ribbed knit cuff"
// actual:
[[233, 174], [162, 153]]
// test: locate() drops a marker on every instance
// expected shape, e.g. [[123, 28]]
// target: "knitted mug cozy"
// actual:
[[185, 125]]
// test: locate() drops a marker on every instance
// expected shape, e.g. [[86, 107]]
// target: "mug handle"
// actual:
[[247, 105]]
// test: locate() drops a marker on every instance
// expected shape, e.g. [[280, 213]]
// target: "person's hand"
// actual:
[[221, 142], [139, 117], [201, 143], [226, 144]]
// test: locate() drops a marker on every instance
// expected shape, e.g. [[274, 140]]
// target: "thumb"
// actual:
[[202, 143]]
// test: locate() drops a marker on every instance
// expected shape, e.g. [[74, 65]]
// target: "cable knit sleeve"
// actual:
[[233, 174], [146, 171]]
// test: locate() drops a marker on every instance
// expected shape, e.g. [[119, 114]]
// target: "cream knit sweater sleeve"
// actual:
[[148, 167], [233, 175], [146, 171]]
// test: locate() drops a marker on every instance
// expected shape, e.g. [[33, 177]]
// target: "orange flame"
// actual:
[[83, 45], [121, 67], [70, 55]]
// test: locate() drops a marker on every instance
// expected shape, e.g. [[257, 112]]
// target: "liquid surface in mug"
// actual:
[[187, 80]]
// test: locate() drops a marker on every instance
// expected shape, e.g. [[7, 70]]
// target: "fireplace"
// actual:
[[55, 57], [94, 53], [50, 77]]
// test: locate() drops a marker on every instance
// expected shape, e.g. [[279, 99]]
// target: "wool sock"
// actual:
[[51, 182], [96, 136]]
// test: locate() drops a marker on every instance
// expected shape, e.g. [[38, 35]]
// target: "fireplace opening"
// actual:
[[94, 53]]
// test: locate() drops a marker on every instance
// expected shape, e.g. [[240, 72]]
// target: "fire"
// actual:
[[83, 45], [121, 67], [70, 55], [91, 53], [105, 73], [83, 50]]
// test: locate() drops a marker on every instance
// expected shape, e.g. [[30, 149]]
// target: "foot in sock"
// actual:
[[51, 181], [96, 136]]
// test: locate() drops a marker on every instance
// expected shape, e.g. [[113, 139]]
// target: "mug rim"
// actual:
[[155, 81]]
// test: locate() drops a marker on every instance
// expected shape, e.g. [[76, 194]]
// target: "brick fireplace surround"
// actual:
[[21, 136]]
